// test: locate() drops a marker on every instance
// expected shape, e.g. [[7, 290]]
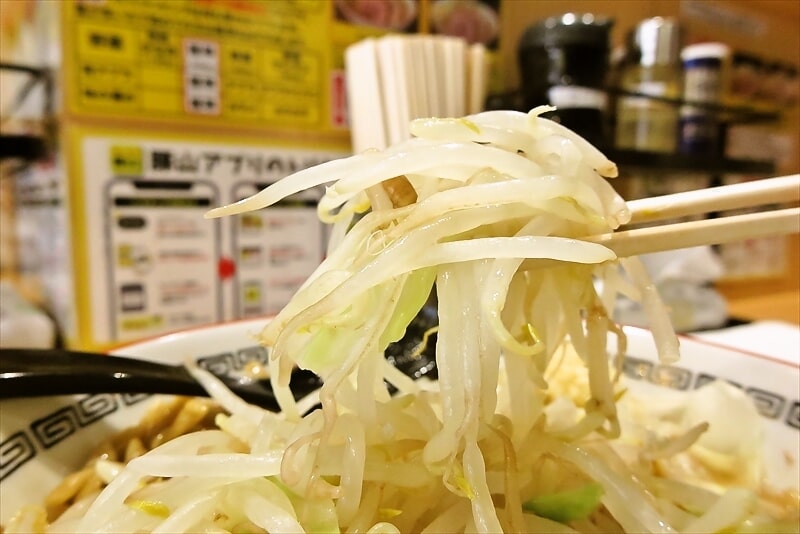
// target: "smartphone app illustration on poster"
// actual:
[[164, 256], [275, 250]]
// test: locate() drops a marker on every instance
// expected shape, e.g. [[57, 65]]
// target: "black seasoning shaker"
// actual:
[[564, 62]]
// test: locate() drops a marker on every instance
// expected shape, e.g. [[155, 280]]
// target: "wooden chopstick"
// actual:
[[714, 231], [715, 199], [703, 232]]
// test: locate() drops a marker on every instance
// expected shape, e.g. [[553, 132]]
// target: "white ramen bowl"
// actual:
[[44, 439]]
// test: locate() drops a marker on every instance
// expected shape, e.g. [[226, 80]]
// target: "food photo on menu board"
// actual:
[[398, 15], [476, 21]]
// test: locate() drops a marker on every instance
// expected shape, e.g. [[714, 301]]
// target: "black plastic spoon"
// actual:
[[38, 373]]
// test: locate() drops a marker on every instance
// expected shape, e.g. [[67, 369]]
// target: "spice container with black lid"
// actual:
[[704, 79], [563, 55]]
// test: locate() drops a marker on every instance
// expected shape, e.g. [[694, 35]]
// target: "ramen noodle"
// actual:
[[163, 421]]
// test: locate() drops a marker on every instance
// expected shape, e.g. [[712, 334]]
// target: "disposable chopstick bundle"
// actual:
[[398, 78]]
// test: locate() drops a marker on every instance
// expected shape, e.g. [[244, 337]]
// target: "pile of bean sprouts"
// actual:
[[488, 211]]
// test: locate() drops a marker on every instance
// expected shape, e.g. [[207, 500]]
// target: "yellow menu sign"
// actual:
[[242, 63]]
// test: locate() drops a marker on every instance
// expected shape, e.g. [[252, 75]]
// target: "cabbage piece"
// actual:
[[568, 505]]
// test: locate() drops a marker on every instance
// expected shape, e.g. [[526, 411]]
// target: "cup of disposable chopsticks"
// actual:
[[398, 78]]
